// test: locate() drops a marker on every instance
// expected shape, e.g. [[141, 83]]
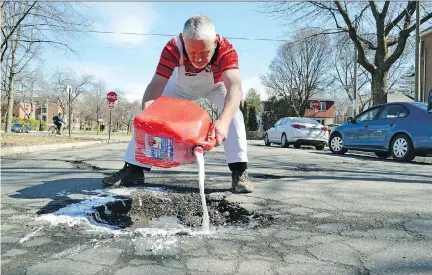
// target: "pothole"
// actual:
[[147, 209], [82, 165], [269, 176]]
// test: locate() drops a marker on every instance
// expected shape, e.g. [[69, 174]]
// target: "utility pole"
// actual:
[[69, 89], [355, 84], [417, 92], [355, 76]]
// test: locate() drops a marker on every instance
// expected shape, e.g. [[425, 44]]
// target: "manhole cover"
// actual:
[[148, 209]]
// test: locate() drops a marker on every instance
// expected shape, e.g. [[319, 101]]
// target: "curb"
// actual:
[[19, 150]]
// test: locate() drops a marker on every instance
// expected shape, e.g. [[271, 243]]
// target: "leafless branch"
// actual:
[[353, 34], [407, 12]]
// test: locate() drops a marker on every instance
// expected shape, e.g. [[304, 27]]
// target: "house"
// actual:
[[426, 63], [42, 109], [326, 112]]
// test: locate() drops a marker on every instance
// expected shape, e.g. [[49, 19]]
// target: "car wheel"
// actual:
[[297, 146], [284, 141], [266, 141], [336, 144], [319, 147], [382, 155], [401, 148]]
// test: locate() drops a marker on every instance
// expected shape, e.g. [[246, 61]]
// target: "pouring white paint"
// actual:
[[199, 153]]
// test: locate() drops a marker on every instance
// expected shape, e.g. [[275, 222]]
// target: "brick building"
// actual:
[[46, 108]]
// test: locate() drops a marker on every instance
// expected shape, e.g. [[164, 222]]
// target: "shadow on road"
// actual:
[[59, 191], [368, 157]]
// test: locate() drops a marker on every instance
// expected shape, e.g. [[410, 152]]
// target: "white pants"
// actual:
[[235, 145]]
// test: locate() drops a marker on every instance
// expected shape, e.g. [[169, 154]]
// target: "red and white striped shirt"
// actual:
[[224, 58]]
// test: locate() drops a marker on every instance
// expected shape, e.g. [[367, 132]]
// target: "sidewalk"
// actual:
[[94, 141]]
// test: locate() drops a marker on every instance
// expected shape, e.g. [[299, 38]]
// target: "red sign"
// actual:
[[316, 104], [112, 97]]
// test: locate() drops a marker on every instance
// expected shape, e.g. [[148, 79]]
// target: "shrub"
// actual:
[[33, 123]]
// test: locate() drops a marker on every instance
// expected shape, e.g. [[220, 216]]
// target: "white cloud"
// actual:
[[134, 91], [254, 82], [127, 17]]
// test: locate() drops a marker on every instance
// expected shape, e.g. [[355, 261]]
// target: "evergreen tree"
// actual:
[[252, 121]]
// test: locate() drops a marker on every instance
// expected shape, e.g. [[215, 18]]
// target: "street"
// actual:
[[315, 213]]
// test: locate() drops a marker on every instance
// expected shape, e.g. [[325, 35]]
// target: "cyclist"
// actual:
[[58, 121]]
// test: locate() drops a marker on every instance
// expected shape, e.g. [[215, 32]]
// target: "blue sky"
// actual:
[[128, 62]]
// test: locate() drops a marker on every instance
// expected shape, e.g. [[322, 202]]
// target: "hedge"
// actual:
[[33, 123], [255, 135]]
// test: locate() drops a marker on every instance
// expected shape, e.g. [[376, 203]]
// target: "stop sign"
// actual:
[[112, 97], [316, 104]]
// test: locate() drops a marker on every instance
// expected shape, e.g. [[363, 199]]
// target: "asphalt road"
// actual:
[[333, 215]]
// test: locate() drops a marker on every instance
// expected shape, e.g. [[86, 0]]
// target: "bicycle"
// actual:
[[52, 130]]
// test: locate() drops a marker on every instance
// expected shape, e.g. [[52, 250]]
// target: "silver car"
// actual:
[[297, 131]]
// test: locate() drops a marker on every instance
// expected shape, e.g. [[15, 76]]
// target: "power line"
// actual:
[[165, 35]]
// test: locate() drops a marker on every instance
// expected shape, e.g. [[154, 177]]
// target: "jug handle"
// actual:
[[208, 144]]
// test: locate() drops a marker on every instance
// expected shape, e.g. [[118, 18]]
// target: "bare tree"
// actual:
[[48, 22], [343, 63], [407, 85], [97, 100], [27, 27], [16, 57], [380, 27], [60, 79], [127, 112], [85, 111], [300, 70], [343, 105]]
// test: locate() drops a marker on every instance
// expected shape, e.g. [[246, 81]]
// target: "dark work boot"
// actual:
[[129, 175], [241, 182]]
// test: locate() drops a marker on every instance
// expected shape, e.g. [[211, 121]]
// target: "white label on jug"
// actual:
[[159, 147]]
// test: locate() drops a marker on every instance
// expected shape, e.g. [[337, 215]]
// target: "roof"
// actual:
[[321, 98], [426, 32]]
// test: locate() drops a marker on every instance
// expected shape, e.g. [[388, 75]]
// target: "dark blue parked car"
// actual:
[[402, 130], [18, 128]]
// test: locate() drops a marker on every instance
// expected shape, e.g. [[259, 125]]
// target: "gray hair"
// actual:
[[199, 27]]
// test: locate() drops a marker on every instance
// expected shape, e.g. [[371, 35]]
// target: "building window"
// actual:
[[323, 106]]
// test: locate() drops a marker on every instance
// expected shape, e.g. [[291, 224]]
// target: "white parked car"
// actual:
[[297, 131]]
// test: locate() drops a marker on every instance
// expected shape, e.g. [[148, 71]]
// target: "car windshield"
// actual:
[[304, 120], [17, 125]]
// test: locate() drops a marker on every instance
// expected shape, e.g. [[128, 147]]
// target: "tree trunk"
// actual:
[[379, 86], [10, 105], [11, 86], [32, 107]]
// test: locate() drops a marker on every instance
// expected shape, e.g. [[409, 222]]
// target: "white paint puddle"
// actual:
[[84, 214], [30, 235]]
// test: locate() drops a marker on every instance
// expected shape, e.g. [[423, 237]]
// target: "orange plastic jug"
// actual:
[[169, 130]]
